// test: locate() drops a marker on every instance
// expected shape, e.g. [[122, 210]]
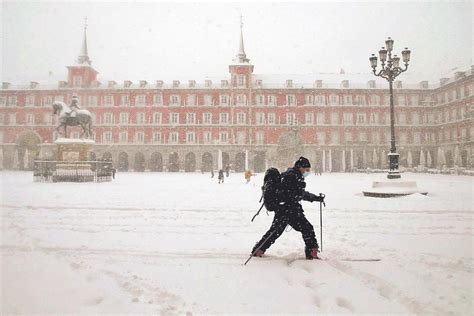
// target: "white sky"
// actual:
[[144, 40]]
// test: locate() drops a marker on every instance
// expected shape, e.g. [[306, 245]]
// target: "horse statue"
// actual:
[[82, 118]]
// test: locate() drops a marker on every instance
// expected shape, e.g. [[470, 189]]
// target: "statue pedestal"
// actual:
[[393, 188], [72, 149]]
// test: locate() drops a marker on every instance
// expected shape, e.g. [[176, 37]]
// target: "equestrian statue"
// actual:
[[73, 115]]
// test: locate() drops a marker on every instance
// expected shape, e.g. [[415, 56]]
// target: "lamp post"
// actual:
[[390, 69]]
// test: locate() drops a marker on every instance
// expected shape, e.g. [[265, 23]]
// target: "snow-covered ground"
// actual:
[[175, 244]]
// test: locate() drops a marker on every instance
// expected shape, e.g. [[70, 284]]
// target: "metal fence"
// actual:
[[73, 171]]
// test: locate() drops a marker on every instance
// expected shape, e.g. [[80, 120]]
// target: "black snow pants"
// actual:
[[297, 220]]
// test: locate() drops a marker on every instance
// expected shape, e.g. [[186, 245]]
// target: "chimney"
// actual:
[[143, 83], [127, 84], [424, 84], [62, 84], [208, 83], [33, 84], [111, 84], [159, 84], [371, 84], [345, 84], [398, 84], [5, 85], [318, 84], [289, 83], [192, 83], [224, 83], [443, 81]]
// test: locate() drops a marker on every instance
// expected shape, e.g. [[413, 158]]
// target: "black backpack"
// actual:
[[270, 190]]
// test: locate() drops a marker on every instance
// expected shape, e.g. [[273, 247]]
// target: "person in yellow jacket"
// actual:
[[248, 175]]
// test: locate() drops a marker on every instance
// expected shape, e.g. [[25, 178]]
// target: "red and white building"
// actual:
[[339, 121]]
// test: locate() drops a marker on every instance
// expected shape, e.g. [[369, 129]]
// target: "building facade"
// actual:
[[339, 121]]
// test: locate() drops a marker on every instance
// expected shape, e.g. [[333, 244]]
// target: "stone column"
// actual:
[[352, 160], [343, 164], [364, 159], [246, 160], [324, 161], [330, 160], [219, 159]]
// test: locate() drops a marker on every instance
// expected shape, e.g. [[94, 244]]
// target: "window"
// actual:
[[240, 138], [309, 118], [362, 136], [157, 100], [92, 100], [59, 98], [348, 118], [415, 118], [12, 118], [271, 100], [260, 100], [271, 118], [208, 100], [417, 138], [3, 100], [348, 136], [290, 100], [29, 100], [108, 100], [335, 137], [334, 100], [308, 99], [224, 118], [140, 118], [374, 118], [30, 119], [320, 118], [48, 118], [140, 100], [124, 118], [373, 99], [224, 100], [47, 100], [12, 100], [241, 118], [403, 137], [157, 137], [124, 100], [77, 81], [334, 118], [174, 137], [401, 100], [360, 100], [191, 118], [361, 118], [175, 100], [241, 80], [376, 137], [319, 100], [402, 118], [241, 99], [207, 118], [207, 137], [157, 118], [290, 118], [260, 137], [174, 118], [190, 137], [260, 118], [320, 137], [123, 137], [347, 100], [108, 118], [107, 137], [223, 137], [191, 100]]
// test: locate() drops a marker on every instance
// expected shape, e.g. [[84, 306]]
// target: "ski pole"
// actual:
[[321, 218], [258, 248]]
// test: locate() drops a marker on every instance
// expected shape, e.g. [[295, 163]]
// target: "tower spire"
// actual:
[[241, 56], [83, 55]]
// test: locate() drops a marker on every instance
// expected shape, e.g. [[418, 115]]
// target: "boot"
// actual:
[[311, 253]]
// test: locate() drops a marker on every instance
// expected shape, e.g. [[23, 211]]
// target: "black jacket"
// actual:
[[293, 187]]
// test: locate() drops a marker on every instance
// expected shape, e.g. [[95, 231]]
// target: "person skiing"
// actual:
[[220, 177], [286, 204]]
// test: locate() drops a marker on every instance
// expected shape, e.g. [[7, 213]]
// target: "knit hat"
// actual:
[[302, 162]]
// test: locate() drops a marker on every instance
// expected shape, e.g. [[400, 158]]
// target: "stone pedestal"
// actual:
[[70, 149], [393, 188]]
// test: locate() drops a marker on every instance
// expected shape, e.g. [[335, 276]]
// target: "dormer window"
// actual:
[[176, 83], [345, 84], [159, 84], [111, 84], [258, 83], [224, 83], [127, 84], [192, 83], [289, 83], [77, 81], [143, 83], [208, 83], [318, 84]]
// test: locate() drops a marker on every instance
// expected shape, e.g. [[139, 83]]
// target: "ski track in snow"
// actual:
[[175, 245]]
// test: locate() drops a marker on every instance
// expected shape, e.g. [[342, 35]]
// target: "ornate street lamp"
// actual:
[[390, 69]]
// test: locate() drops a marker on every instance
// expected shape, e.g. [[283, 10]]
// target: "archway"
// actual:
[[206, 162], [123, 161], [190, 162], [464, 158], [239, 162], [107, 156], [225, 160], [139, 163], [156, 162], [259, 162], [173, 162], [449, 158], [27, 150], [92, 156]]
